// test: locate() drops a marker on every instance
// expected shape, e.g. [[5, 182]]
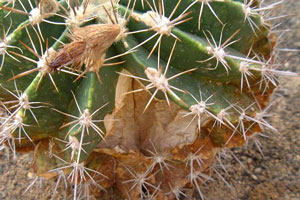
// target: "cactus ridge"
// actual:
[[139, 96]]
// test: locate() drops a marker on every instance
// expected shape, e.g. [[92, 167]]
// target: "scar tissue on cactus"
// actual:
[[141, 97]]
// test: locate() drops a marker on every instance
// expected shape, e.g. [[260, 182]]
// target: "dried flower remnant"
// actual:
[[88, 47]]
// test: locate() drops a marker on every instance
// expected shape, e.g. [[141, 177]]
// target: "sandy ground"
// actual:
[[276, 175]]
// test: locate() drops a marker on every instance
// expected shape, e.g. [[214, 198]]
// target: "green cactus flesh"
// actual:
[[144, 111]]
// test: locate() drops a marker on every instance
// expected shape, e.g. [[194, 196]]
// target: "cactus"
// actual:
[[135, 96]]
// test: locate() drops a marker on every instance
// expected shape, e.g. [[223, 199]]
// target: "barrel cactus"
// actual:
[[135, 97]]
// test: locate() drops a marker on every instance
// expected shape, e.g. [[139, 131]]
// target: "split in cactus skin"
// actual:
[[140, 96]]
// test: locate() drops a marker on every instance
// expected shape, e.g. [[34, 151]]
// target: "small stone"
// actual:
[[249, 160], [254, 177], [30, 175], [258, 170]]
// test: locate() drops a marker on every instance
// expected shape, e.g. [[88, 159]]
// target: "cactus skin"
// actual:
[[188, 95]]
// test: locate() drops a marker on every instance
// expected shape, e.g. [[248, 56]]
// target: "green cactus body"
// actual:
[[142, 101]]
